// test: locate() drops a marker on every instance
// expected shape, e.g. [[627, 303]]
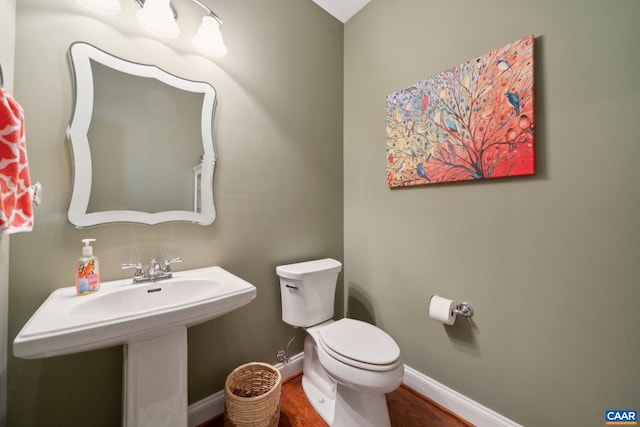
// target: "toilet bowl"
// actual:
[[360, 356], [348, 364]]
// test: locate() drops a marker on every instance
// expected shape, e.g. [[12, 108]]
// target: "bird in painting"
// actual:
[[525, 121], [400, 168], [466, 80], [503, 65], [451, 125], [425, 104], [514, 100], [421, 173]]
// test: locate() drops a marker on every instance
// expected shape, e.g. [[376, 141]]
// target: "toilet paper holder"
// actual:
[[464, 309]]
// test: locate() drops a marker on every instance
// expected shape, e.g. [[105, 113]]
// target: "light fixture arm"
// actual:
[[209, 11], [198, 2], [173, 9]]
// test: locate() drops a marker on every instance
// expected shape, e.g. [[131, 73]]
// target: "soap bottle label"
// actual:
[[88, 280]]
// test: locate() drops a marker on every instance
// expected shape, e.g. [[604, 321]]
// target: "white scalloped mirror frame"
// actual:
[[80, 55]]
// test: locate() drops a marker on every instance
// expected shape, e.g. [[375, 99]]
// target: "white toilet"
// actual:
[[349, 365]]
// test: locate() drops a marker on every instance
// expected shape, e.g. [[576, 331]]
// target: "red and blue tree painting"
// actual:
[[474, 121]]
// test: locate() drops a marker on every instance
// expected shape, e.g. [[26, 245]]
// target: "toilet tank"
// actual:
[[307, 291]]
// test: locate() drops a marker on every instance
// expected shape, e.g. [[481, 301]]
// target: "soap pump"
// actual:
[[87, 270]]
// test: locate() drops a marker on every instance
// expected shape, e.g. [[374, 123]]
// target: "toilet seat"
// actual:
[[360, 345]]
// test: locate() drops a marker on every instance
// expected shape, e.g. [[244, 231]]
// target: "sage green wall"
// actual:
[[278, 187], [7, 46], [549, 262], [4, 311]]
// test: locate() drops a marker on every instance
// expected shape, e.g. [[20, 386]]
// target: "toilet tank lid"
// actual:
[[307, 269]]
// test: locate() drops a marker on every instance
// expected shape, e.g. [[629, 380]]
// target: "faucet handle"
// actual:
[[167, 264], [139, 268]]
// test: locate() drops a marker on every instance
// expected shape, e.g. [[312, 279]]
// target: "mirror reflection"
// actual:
[[142, 143], [160, 158]]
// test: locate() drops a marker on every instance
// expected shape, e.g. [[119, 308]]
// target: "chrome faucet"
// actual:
[[154, 272]]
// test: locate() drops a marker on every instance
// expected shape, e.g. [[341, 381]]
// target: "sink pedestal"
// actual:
[[155, 380]]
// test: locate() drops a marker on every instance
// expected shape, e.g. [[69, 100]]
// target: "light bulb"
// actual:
[[157, 17], [208, 40]]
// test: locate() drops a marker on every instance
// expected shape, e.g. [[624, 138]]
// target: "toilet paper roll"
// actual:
[[442, 309]]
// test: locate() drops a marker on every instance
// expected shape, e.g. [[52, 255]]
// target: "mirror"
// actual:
[[142, 143]]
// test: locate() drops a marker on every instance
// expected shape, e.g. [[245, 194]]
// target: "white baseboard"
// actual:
[[205, 409], [212, 406], [462, 406]]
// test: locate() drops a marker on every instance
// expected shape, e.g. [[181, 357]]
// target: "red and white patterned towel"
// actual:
[[16, 209]]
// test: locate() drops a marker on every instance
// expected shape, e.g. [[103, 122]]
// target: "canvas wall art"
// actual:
[[474, 121]]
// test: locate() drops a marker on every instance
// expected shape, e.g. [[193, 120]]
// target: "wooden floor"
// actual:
[[406, 409]]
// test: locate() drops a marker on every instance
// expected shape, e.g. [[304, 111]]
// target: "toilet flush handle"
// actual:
[[291, 286]]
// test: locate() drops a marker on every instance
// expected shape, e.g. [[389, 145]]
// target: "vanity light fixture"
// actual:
[[159, 17]]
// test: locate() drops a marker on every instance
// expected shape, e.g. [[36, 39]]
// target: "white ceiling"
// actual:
[[342, 9]]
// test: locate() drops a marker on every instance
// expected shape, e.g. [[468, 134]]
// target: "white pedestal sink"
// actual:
[[150, 320]]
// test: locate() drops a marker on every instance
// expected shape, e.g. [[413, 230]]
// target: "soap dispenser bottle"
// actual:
[[87, 270]]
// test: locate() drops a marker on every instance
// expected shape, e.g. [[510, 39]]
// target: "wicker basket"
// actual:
[[252, 396]]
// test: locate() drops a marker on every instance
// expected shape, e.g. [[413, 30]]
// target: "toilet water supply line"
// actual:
[[283, 355]]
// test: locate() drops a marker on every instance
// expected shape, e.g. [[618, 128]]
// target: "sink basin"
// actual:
[[121, 311]]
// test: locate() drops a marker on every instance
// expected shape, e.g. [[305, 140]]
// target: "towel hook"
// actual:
[[36, 193]]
